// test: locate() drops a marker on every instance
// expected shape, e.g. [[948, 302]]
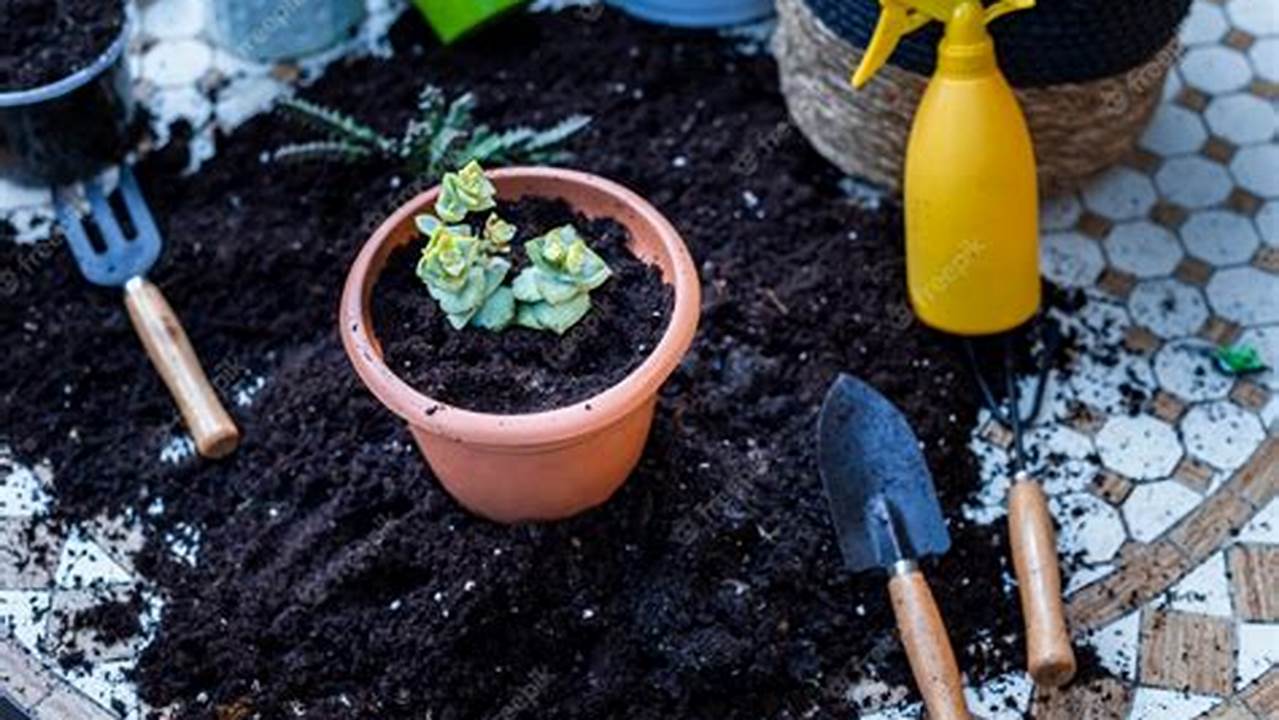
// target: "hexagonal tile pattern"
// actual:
[[1174, 130], [1257, 169], [1241, 118], [1193, 182], [1257, 17], [1187, 370], [1215, 69], [1221, 434], [173, 19], [1088, 523], [1060, 212], [1220, 237], [1171, 309], [1143, 249], [176, 62], [1139, 447], [1245, 295], [1070, 259], [1120, 193], [1152, 508]]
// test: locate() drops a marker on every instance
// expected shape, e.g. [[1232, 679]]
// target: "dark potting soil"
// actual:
[[336, 578], [520, 370], [42, 41]]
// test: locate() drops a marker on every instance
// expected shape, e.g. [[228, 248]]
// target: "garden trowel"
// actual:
[[887, 515]]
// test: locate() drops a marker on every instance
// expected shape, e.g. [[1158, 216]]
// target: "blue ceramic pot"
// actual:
[[270, 30], [697, 13]]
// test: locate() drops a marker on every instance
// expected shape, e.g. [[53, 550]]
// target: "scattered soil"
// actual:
[[521, 370], [336, 579], [42, 41]]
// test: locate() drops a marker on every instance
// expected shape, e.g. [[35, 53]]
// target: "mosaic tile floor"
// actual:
[[1163, 472]]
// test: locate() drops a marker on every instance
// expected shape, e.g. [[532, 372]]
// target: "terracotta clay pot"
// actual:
[[545, 465]]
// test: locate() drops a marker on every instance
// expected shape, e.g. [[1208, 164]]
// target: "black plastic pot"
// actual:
[[69, 129], [1058, 41]]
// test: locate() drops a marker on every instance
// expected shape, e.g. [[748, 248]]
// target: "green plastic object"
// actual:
[[1239, 360], [451, 19]]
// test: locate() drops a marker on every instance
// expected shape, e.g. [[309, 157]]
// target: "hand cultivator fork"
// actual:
[[122, 260]]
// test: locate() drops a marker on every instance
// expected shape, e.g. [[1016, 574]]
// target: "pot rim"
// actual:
[[582, 418], [75, 80]]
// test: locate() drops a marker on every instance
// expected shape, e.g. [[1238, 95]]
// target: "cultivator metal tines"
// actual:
[[1050, 657]]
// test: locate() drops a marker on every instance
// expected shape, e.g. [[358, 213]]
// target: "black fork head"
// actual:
[[123, 256]]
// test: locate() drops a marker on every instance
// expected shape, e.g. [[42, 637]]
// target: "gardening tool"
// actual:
[[123, 261], [972, 253], [887, 515]]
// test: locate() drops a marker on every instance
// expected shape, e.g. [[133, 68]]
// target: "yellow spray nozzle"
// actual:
[[900, 17]]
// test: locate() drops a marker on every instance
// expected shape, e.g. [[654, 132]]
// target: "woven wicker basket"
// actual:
[[1078, 128]]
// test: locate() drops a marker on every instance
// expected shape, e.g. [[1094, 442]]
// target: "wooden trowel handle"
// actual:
[[932, 661], [1050, 657], [170, 351]]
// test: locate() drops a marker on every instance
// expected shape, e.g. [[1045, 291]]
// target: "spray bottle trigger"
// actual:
[[895, 20], [1003, 7]]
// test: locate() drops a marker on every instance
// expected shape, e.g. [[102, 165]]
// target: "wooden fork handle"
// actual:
[[170, 351], [932, 661], [1050, 657]]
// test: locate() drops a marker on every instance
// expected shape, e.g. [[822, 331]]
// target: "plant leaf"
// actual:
[[498, 312], [556, 318]]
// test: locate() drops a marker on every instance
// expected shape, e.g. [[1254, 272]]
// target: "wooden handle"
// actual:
[[1050, 657], [924, 635], [170, 351]]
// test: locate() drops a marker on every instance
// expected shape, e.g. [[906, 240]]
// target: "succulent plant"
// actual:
[[554, 292], [443, 135], [465, 271], [465, 281]]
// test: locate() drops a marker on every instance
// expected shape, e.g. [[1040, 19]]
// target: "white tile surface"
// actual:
[[1241, 118], [1267, 220], [1105, 380], [1174, 130], [1116, 645], [1257, 169], [1060, 212], [1206, 590], [1143, 249], [1220, 237], [1221, 433], [176, 62], [1255, 16], [1258, 651], [1263, 527], [1186, 369], [23, 491], [1120, 193], [1264, 55], [1206, 24], [1084, 576], [1193, 181], [1215, 69], [1246, 295], [24, 612], [1170, 308], [1088, 526], [172, 19], [1070, 259], [1266, 341], [1150, 703], [1154, 507], [85, 564], [1004, 698]]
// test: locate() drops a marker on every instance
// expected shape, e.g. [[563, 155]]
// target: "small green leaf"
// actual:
[[498, 311], [498, 234], [556, 318], [525, 286], [463, 192], [1239, 359]]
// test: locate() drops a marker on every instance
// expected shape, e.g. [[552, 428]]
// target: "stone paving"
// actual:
[[1163, 471]]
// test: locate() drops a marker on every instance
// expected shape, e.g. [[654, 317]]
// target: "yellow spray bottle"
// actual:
[[972, 236]]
